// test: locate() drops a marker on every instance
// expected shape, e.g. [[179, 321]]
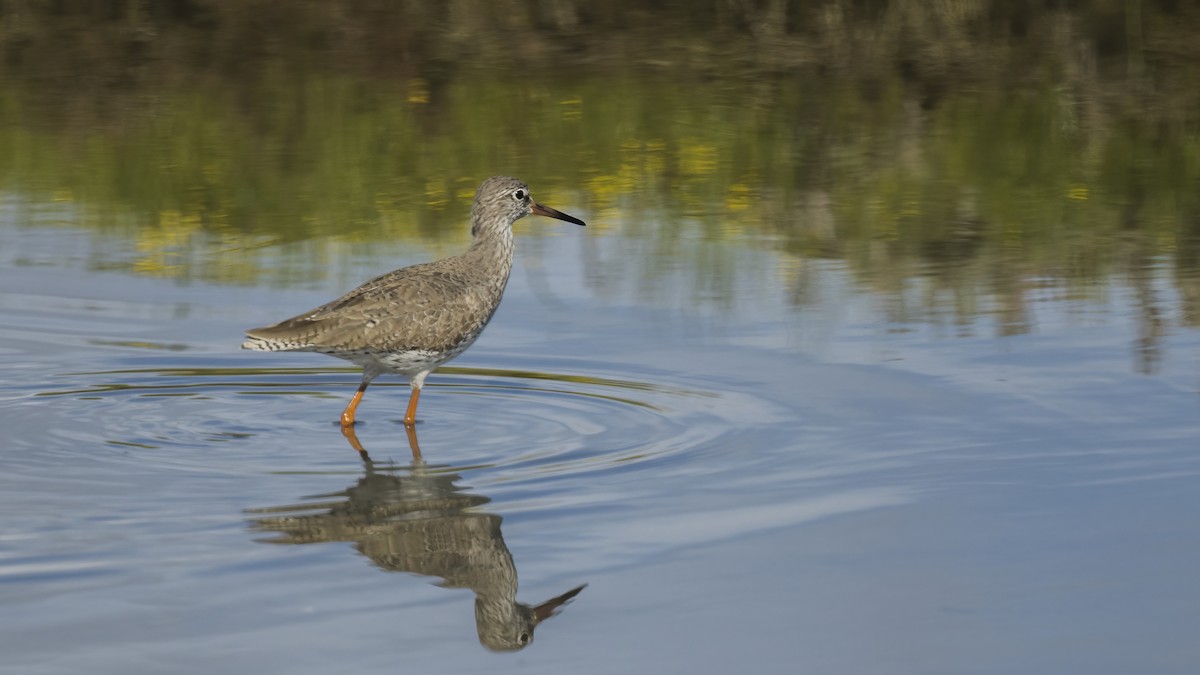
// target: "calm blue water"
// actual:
[[741, 481]]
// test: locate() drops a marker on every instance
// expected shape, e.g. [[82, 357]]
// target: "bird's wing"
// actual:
[[418, 307]]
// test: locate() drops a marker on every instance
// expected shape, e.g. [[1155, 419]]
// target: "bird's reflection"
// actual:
[[418, 520]]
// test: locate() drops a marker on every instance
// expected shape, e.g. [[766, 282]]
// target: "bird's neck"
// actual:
[[492, 250]]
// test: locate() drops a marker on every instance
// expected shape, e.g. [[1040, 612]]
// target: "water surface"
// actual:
[[855, 369]]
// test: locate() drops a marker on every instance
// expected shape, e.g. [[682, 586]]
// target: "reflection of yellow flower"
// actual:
[[1078, 192], [161, 247], [418, 91], [234, 258], [436, 196], [572, 108], [654, 158], [739, 197], [605, 189], [642, 164], [697, 159]]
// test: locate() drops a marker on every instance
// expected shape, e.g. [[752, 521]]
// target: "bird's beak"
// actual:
[[550, 607], [540, 210]]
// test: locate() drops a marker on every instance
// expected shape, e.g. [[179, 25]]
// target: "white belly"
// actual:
[[409, 363]]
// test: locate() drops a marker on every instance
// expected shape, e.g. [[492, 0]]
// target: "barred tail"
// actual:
[[262, 344]]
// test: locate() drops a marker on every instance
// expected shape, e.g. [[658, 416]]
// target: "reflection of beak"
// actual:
[[550, 607], [554, 213]]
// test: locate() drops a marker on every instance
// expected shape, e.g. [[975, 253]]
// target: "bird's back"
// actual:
[[432, 307]]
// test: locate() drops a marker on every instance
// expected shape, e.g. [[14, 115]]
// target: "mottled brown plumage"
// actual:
[[412, 320]]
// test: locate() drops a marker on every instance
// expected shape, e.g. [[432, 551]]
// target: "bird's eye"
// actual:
[[523, 639], [519, 195]]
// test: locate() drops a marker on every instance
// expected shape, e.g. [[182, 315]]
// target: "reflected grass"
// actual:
[[974, 147]]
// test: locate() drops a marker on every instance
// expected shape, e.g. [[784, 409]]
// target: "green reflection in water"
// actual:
[[977, 146]]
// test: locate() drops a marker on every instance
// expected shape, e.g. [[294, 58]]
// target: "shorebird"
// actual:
[[412, 320]]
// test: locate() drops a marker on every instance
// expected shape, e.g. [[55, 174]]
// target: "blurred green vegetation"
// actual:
[[982, 146]]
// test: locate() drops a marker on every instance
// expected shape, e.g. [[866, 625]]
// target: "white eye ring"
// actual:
[[519, 195]]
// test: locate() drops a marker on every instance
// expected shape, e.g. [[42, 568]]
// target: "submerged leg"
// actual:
[[348, 413], [410, 416]]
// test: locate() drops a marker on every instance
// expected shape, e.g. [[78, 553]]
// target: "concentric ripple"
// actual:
[[513, 424]]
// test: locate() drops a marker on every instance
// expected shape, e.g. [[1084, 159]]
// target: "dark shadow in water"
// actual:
[[417, 520]]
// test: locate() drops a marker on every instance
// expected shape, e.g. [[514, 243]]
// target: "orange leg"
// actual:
[[348, 413], [410, 417]]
